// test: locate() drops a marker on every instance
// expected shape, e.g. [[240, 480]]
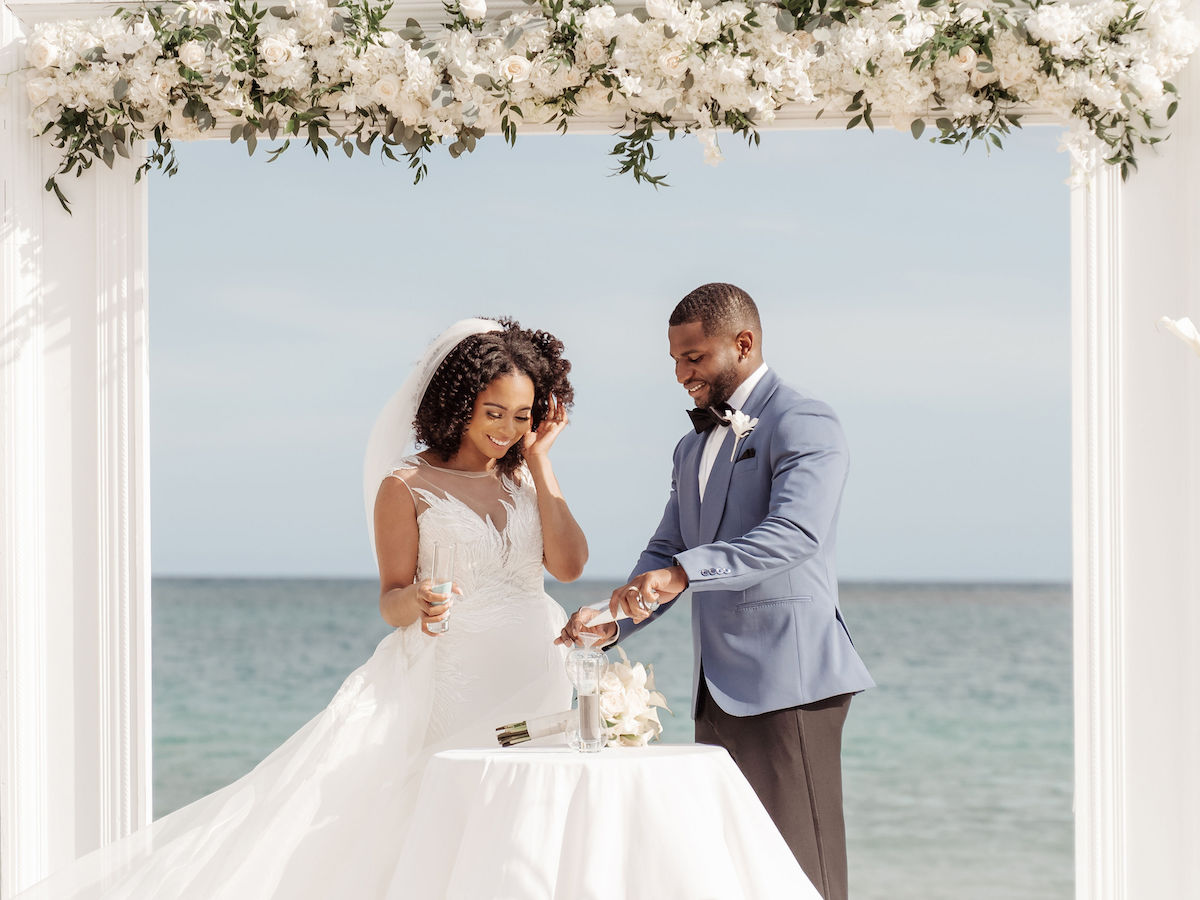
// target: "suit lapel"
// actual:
[[689, 491], [717, 490]]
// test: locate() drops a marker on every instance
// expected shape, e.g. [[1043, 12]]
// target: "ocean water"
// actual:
[[958, 766]]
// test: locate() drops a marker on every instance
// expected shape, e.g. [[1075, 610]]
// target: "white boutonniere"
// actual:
[[741, 425]]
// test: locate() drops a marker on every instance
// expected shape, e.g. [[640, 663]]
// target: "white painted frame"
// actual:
[[75, 766]]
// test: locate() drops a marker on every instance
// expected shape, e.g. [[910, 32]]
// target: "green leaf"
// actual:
[[785, 21], [120, 89], [854, 121], [235, 133], [917, 128]]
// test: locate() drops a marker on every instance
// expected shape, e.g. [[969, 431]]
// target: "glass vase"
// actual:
[[585, 667]]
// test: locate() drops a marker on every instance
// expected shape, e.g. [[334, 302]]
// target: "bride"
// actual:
[[325, 814]]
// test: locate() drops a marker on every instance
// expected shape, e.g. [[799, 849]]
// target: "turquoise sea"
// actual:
[[958, 767]]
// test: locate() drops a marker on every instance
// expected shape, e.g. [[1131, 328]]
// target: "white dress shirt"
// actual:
[[717, 435]]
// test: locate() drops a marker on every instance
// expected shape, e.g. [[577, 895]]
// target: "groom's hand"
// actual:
[[642, 596], [579, 622]]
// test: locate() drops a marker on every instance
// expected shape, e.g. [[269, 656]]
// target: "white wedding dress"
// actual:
[[325, 814]]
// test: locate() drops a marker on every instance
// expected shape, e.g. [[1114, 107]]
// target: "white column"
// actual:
[[74, 526], [1136, 401]]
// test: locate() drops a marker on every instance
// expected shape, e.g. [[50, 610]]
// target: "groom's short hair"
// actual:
[[720, 308]]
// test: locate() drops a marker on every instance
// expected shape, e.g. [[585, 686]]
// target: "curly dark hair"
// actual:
[[476, 362]]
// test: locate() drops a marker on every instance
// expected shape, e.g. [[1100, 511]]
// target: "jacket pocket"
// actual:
[[751, 605]]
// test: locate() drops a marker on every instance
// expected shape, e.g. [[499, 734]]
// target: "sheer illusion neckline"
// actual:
[[465, 473]]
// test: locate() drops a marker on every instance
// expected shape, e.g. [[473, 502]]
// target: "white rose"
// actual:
[[660, 9], [673, 63], [42, 54], [39, 90], [473, 9], [594, 53], [965, 59], [192, 54], [159, 88], [515, 68], [387, 89], [274, 51]]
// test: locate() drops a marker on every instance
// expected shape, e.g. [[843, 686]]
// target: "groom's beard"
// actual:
[[721, 388]]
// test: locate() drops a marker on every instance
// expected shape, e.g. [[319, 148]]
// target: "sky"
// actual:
[[921, 291]]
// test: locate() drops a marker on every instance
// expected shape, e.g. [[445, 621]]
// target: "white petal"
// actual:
[[1184, 330]]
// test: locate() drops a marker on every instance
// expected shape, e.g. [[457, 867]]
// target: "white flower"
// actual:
[[202, 13], [515, 68], [965, 59], [594, 53], [628, 703], [673, 63], [661, 9], [741, 425], [274, 51], [1184, 330], [473, 9], [192, 54], [39, 90], [160, 87], [712, 150], [387, 89], [42, 54]]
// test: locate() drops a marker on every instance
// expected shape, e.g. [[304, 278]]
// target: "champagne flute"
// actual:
[[442, 576]]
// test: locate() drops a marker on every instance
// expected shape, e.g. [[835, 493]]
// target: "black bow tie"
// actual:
[[705, 419]]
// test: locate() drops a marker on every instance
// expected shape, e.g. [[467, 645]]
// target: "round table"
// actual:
[[659, 823]]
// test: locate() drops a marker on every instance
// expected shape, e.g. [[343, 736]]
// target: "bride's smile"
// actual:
[[502, 416]]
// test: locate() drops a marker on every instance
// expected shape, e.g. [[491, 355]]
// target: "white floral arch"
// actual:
[[74, 512]]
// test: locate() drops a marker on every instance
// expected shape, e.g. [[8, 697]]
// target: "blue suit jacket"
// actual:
[[759, 556]]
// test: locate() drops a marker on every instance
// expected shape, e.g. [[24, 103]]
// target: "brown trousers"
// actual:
[[793, 760]]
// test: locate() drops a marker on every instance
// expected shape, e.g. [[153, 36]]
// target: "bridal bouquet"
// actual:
[[629, 707], [629, 704]]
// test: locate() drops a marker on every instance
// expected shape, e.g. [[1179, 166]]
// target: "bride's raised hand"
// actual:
[[538, 443], [434, 607]]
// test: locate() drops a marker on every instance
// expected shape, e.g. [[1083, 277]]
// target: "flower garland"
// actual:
[[337, 77]]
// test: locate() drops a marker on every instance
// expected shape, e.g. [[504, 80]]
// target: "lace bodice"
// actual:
[[492, 520]]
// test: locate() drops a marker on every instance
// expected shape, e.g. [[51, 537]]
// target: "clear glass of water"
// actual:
[[442, 576]]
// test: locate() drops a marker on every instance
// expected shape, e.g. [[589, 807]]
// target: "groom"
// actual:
[[751, 528]]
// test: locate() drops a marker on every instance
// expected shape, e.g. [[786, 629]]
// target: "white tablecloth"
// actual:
[[670, 822]]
